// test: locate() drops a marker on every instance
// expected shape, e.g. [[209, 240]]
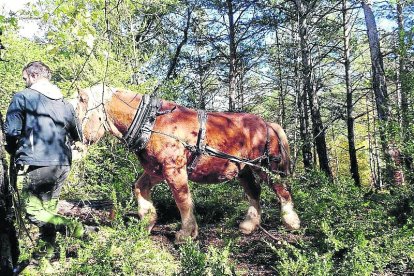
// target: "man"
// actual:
[[40, 126]]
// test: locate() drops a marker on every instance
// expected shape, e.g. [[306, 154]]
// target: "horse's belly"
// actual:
[[214, 172]]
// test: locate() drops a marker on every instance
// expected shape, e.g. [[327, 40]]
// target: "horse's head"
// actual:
[[90, 109]]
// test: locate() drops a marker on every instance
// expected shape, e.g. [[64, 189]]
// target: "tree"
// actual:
[[379, 85], [304, 11], [349, 96]]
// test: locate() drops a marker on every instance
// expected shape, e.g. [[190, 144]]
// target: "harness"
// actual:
[[139, 132], [141, 128]]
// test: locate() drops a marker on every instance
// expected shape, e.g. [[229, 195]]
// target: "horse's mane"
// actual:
[[99, 94]]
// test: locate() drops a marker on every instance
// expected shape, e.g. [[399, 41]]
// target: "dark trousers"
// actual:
[[42, 188]]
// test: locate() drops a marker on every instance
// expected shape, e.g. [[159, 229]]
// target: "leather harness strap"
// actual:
[[140, 130], [201, 148], [201, 144]]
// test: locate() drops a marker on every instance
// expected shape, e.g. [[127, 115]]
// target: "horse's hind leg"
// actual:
[[290, 218], [252, 190], [142, 191]]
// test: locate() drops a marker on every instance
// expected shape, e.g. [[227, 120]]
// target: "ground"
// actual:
[[250, 252]]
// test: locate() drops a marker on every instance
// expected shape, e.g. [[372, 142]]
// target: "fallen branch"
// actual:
[[289, 238], [90, 212]]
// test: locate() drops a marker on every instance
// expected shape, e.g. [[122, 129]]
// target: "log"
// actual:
[[92, 212]]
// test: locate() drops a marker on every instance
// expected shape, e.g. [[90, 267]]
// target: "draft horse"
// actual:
[[170, 153]]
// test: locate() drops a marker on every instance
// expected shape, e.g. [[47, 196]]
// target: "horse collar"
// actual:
[[139, 132]]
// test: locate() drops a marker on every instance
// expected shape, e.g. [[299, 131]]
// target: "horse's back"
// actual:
[[241, 134]]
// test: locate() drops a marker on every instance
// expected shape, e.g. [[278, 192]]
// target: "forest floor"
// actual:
[[250, 253]]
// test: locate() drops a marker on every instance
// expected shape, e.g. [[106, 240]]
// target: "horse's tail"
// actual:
[[284, 165]]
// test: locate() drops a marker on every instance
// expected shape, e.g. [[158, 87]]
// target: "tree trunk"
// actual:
[[9, 245], [91, 211], [303, 117], [349, 99], [317, 124], [379, 84], [232, 56], [282, 113], [403, 83], [174, 60]]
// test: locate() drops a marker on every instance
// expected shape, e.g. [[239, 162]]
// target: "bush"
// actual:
[[352, 231], [214, 262]]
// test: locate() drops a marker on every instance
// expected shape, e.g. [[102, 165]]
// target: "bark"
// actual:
[[90, 212], [232, 57], [303, 117], [403, 83], [377, 174], [317, 124], [9, 246], [282, 114], [379, 84], [349, 98]]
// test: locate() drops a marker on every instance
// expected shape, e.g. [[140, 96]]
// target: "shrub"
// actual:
[[352, 231], [214, 262]]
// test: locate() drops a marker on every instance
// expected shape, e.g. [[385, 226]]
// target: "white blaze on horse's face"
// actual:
[[91, 112]]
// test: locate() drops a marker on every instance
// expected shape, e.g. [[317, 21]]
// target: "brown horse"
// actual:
[[166, 156]]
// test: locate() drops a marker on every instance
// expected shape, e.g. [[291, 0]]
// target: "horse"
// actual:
[[167, 156]]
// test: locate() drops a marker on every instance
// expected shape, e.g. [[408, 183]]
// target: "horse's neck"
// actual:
[[121, 109]]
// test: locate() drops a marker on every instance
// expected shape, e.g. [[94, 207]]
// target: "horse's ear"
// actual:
[[83, 95]]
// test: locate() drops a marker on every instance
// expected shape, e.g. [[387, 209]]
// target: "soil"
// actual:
[[251, 253]]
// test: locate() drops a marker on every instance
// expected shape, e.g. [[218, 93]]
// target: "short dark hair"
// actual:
[[38, 68]]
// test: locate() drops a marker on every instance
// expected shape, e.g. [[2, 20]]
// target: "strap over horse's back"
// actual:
[[201, 148]]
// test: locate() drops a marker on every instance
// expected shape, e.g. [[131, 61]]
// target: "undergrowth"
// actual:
[[346, 230], [351, 231]]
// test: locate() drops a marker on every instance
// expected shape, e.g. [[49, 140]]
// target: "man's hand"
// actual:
[[79, 146], [79, 150]]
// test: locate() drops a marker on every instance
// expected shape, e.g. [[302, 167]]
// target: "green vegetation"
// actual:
[[346, 229]]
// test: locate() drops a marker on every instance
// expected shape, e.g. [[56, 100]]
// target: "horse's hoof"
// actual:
[[290, 218], [183, 235], [248, 226]]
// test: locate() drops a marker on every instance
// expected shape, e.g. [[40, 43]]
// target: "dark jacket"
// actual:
[[39, 130]]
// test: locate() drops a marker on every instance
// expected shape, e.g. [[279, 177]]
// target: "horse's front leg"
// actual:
[[175, 173], [142, 191]]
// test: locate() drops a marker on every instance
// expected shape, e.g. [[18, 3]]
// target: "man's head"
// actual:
[[35, 71]]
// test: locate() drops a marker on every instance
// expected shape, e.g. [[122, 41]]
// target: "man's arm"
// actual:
[[75, 129], [14, 122]]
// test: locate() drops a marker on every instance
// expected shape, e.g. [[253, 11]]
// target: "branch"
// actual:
[[174, 61]]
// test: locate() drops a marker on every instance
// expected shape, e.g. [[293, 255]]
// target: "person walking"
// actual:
[[40, 127]]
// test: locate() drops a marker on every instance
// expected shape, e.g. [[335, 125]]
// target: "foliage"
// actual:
[[213, 262], [126, 250], [117, 250], [352, 231], [109, 164]]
